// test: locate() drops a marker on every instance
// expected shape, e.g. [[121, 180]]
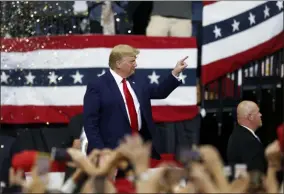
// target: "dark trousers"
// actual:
[[95, 27]]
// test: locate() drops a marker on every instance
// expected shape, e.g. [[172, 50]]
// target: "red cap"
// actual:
[[124, 186], [280, 134], [25, 160]]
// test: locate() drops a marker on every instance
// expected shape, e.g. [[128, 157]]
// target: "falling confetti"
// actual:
[[38, 18], [22, 20]]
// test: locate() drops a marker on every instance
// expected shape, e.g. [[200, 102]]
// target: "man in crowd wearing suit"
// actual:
[[244, 146], [76, 139], [117, 103], [9, 146]]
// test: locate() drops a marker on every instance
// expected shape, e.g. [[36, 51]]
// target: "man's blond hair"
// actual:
[[119, 51]]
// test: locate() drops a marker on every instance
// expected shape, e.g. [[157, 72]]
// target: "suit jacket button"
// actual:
[[2, 146]]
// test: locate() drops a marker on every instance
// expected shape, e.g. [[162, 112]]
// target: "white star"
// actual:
[[235, 26], [52, 78], [182, 77], [251, 18], [103, 72], [4, 77], [154, 78], [30, 78], [217, 32], [279, 5], [266, 12], [77, 77]]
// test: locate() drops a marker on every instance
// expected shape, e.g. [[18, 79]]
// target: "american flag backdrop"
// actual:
[[237, 32], [43, 79]]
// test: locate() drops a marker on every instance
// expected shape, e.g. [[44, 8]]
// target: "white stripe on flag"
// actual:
[[212, 13], [94, 57], [242, 41], [64, 96]]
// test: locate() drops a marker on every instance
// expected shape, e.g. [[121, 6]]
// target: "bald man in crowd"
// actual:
[[244, 146]]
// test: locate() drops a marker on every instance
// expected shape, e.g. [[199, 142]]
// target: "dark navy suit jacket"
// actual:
[[105, 117], [244, 148]]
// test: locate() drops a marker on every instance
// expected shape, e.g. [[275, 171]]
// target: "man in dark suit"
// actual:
[[9, 146], [244, 146], [117, 103], [75, 129]]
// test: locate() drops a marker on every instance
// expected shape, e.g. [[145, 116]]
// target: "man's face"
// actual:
[[127, 65], [256, 118]]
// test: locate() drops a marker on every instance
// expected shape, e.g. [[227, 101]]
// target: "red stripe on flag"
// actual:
[[62, 114], [174, 113], [93, 41], [208, 2], [235, 62]]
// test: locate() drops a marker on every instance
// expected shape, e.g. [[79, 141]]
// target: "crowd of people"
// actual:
[[126, 169], [37, 18], [126, 165], [130, 167]]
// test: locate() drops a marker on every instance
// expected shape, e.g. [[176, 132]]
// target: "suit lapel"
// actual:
[[116, 93]]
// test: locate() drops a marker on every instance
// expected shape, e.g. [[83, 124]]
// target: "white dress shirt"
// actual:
[[253, 133], [118, 79], [84, 141]]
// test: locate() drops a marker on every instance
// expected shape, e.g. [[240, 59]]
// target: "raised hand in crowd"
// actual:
[[273, 156], [99, 172]]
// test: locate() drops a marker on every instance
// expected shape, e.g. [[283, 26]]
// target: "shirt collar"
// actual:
[[118, 79], [250, 130]]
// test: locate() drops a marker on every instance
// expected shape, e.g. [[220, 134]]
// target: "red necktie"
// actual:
[[130, 107]]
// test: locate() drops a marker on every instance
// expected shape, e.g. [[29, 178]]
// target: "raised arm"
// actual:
[[170, 83]]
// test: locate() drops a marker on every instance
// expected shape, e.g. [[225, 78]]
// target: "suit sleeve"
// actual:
[[253, 157], [91, 115], [163, 90]]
